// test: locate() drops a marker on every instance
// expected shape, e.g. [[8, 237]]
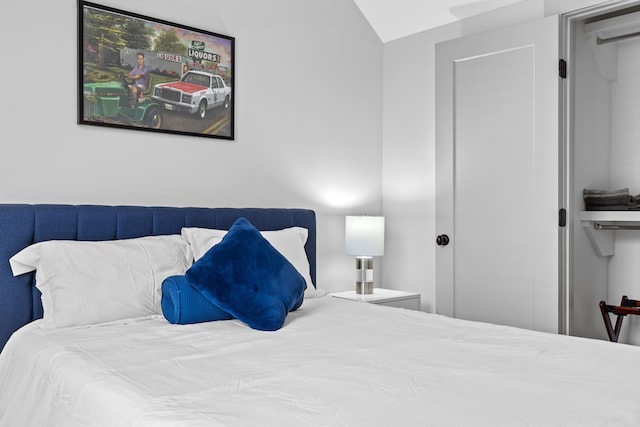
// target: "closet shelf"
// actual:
[[600, 227]]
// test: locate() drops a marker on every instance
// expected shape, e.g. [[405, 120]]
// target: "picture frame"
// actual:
[[142, 73]]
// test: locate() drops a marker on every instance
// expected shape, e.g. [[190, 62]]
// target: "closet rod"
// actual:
[[599, 226], [600, 41]]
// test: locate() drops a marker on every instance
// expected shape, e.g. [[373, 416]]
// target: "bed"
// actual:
[[333, 362]]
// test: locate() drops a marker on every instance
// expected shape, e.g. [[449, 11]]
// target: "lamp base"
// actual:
[[364, 288], [364, 275]]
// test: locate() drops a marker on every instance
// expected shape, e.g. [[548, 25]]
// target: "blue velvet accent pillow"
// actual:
[[182, 303], [247, 277]]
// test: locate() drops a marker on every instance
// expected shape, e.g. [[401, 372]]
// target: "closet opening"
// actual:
[[601, 151]]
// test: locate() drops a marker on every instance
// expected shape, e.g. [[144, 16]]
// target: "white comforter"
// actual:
[[334, 363]]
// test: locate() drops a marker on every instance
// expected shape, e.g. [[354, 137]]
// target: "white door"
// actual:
[[498, 176]]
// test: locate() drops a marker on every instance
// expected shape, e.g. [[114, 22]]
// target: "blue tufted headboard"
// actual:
[[21, 225]]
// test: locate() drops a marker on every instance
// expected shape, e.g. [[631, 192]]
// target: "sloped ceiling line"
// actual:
[[400, 18]]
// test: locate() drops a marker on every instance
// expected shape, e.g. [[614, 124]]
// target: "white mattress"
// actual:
[[334, 363]]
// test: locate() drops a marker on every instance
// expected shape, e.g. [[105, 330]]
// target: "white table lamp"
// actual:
[[364, 238]]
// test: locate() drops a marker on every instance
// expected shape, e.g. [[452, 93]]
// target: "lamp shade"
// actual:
[[364, 235]]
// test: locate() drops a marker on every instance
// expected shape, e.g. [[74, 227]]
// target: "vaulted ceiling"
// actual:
[[394, 19]]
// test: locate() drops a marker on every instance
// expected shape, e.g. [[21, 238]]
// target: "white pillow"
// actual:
[[84, 283], [289, 242]]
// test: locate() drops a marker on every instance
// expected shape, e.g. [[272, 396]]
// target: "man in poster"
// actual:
[[140, 75]]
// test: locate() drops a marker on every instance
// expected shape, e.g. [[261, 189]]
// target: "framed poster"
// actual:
[[144, 73]]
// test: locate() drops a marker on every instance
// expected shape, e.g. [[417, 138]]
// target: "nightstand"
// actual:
[[381, 296]]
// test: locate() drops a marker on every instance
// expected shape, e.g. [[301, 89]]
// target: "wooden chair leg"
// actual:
[[613, 334], [616, 331]]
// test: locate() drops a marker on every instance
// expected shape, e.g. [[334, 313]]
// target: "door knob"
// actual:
[[442, 240]]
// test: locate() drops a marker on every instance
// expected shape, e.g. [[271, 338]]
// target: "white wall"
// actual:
[[409, 142], [308, 118], [409, 149]]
